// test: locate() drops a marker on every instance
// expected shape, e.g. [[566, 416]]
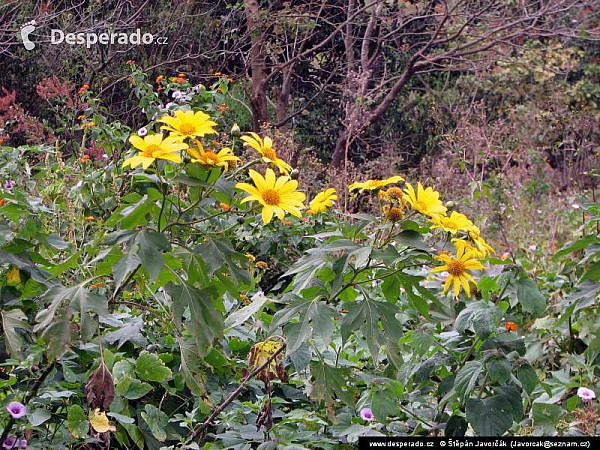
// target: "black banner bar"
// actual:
[[512, 442]]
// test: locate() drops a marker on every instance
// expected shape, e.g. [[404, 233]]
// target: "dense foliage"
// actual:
[[187, 294]]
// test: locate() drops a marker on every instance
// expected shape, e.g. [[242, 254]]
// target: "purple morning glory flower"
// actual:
[[23, 444], [586, 394], [168, 105], [16, 410], [142, 131], [367, 414], [177, 95], [10, 442], [9, 185]]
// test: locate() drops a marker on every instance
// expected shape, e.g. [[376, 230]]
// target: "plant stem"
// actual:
[[237, 391]]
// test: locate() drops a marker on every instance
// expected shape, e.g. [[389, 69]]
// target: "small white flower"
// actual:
[[177, 95], [105, 156], [168, 105], [142, 131]]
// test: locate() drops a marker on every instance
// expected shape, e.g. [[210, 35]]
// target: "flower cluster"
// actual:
[[17, 410], [470, 246]]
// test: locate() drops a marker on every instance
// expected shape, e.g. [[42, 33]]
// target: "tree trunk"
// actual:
[[258, 99]]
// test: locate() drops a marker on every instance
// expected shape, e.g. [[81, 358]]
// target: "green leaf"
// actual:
[[482, 316], [151, 246], [421, 340], [530, 297], [132, 388], [365, 316], [60, 335], [77, 421], [466, 378], [192, 367], [593, 273], [577, 245], [512, 396], [241, 315], [11, 320], [498, 368], [149, 367], [157, 421], [80, 299], [456, 426], [528, 377], [206, 323], [218, 254], [331, 380], [384, 403], [491, 416], [314, 315], [546, 413], [129, 262], [38, 416]]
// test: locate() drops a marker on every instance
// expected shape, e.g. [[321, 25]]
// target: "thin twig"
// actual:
[[236, 392]]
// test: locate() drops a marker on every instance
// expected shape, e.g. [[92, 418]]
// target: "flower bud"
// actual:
[[450, 205], [235, 130], [294, 174]]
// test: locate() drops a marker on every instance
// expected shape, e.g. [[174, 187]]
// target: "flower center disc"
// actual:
[[456, 267], [271, 197], [269, 153], [150, 149], [211, 159], [420, 206], [187, 129]]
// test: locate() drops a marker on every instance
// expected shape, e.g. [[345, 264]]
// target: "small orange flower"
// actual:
[[181, 75], [83, 88], [96, 285], [304, 219], [230, 79], [510, 326], [82, 126], [81, 117], [159, 78], [89, 218], [130, 62], [224, 206], [218, 74], [219, 89], [250, 257], [1, 141], [2, 202], [286, 222], [262, 265], [85, 158], [222, 108], [159, 88], [91, 125]]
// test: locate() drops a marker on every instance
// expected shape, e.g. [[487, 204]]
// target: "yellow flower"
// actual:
[[152, 147], [262, 265], [395, 193], [322, 201], [426, 201], [483, 246], [265, 148], [453, 224], [457, 270], [210, 158], [188, 124], [467, 247], [277, 195], [371, 185], [250, 257]]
